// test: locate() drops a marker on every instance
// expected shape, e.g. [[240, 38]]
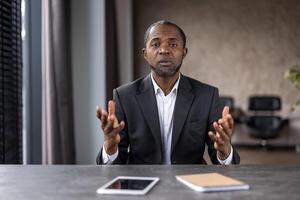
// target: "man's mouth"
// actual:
[[165, 62]]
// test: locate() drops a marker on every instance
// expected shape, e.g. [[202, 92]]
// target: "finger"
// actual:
[[118, 129], [111, 113], [216, 146], [103, 119], [217, 126], [115, 122], [221, 132], [108, 128], [111, 107], [225, 126], [231, 121], [122, 125], [98, 112], [215, 138], [225, 111], [220, 139], [212, 136]]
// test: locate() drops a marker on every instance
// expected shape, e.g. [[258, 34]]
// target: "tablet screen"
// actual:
[[130, 184]]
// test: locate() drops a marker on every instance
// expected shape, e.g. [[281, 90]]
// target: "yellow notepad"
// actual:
[[211, 182]]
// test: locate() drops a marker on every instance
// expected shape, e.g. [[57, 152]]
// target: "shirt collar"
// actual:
[[157, 88]]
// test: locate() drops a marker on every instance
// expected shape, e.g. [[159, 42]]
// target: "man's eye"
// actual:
[[173, 45], [155, 45]]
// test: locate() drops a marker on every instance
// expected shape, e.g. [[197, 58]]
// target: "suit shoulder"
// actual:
[[129, 88]]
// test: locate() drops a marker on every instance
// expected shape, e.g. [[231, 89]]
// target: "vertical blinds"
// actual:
[[10, 82]]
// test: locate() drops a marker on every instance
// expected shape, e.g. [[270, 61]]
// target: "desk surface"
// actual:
[[80, 182]]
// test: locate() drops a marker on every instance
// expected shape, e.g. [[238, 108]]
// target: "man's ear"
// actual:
[[185, 51], [144, 53]]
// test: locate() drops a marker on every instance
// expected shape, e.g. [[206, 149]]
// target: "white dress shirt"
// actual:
[[165, 105]]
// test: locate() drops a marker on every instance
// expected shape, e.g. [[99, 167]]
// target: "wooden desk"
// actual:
[[81, 182]]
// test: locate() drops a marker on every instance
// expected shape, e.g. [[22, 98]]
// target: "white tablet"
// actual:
[[131, 185]]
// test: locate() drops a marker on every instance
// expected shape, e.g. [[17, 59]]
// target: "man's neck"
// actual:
[[165, 83]]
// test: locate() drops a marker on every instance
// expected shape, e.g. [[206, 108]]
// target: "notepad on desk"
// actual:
[[211, 182]]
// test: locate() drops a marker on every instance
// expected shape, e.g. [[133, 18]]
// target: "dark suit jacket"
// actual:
[[196, 108]]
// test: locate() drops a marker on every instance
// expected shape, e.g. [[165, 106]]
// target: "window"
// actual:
[[10, 82]]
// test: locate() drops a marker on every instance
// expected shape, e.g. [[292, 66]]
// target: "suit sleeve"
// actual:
[[124, 143], [214, 115]]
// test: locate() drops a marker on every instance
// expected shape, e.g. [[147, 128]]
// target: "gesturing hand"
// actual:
[[223, 133], [111, 127]]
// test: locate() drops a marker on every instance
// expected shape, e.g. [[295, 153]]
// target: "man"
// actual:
[[166, 117]]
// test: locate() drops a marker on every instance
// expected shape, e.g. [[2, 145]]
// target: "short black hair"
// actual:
[[165, 22]]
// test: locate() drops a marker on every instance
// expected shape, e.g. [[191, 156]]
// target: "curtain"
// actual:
[[111, 46], [57, 105], [10, 82]]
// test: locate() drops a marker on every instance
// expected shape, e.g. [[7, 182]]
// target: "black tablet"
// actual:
[[131, 185]]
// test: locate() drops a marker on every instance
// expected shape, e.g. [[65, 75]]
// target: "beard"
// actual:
[[166, 71]]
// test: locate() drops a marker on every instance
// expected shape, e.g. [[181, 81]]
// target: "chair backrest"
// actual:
[[264, 103], [264, 124], [227, 101]]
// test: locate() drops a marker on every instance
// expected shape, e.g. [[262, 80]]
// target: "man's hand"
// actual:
[[111, 128], [223, 133]]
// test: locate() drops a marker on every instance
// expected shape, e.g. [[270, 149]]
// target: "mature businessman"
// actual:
[[166, 117]]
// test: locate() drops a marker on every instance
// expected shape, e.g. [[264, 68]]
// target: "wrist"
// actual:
[[223, 155], [110, 148]]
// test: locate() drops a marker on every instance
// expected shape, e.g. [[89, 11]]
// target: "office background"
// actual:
[[242, 47]]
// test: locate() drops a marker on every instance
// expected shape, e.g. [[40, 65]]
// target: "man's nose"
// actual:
[[164, 49]]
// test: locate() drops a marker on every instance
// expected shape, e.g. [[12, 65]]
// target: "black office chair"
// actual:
[[237, 113], [227, 101], [264, 124]]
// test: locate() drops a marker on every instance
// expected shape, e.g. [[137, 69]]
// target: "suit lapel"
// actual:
[[183, 103], [147, 102]]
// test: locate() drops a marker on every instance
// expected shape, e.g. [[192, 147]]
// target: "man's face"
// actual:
[[164, 50]]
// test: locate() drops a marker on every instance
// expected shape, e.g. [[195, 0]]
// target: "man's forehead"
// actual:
[[164, 30]]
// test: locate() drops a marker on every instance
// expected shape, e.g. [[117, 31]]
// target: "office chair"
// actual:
[[227, 101], [264, 124], [237, 113]]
